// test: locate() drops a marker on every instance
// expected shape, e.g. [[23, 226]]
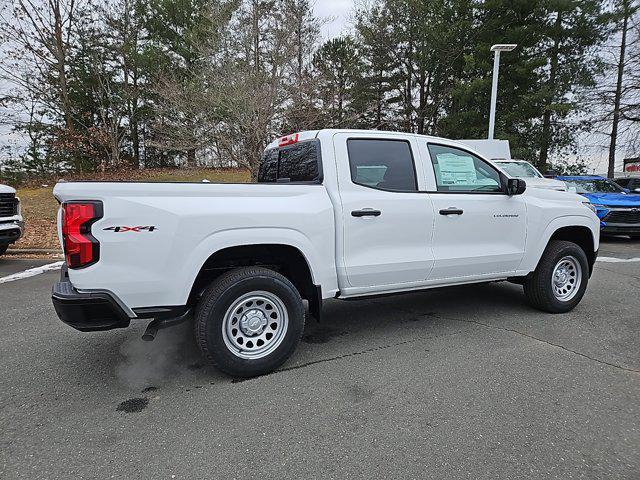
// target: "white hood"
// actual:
[[548, 183], [6, 189]]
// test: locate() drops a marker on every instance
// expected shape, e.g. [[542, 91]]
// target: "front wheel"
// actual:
[[249, 321], [558, 283]]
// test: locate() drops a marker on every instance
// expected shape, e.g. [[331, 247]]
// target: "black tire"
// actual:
[[3, 249], [538, 286], [218, 299]]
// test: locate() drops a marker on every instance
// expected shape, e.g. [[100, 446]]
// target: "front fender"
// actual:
[[537, 245]]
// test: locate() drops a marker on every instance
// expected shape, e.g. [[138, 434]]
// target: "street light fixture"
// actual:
[[496, 49]]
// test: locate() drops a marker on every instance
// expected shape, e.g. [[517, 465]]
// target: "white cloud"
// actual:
[[338, 13]]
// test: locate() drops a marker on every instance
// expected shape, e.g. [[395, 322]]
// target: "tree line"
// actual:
[[94, 85]]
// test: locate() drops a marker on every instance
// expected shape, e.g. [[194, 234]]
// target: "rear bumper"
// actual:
[[98, 310], [87, 311]]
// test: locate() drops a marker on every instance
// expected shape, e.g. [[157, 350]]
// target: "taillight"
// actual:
[[81, 249]]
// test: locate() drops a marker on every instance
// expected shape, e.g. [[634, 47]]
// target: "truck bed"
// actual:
[[154, 237]]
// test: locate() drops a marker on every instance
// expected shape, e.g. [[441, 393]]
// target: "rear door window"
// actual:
[[299, 162], [382, 164]]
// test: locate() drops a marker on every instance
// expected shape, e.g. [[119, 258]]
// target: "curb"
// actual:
[[33, 251]]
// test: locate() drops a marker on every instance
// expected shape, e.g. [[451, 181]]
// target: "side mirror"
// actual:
[[516, 186], [572, 190]]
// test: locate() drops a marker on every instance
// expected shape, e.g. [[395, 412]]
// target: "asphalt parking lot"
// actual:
[[465, 382]]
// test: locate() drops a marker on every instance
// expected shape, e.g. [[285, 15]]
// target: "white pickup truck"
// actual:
[[335, 214], [11, 222]]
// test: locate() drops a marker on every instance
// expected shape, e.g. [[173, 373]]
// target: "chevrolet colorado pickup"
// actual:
[[335, 214], [11, 222]]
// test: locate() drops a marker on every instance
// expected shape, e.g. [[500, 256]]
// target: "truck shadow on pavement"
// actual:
[[173, 361]]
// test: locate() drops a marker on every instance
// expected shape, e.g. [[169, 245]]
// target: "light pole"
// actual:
[[496, 49]]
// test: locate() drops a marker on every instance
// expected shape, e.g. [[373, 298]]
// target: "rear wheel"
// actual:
[[3, 249], [560, 280], [249, 321]]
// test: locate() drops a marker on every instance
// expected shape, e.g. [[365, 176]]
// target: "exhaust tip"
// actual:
[[149, 334]]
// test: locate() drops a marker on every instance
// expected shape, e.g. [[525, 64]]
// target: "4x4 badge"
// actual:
[[149, 228]]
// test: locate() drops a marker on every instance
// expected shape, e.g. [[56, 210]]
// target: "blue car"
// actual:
[[619, 211]]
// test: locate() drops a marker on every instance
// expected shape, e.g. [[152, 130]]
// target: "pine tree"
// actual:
[[372, 99], [519, 100], [573, 30], [178, 34], [339, 65]]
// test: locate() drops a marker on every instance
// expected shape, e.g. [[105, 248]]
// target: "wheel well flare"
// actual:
[[582, 237], [285, 259]]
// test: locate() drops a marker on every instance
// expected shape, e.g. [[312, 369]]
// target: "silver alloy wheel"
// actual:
[[255, 325], [566, 278]]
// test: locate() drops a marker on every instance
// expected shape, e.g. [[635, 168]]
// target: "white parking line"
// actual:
[[618, 260], [32, 272]]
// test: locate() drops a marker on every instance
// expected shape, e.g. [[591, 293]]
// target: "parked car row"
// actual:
[[617, 202], [632, 184], [618, 210], [11, 222]]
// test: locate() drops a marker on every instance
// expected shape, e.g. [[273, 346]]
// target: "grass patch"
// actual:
[[40, 208]]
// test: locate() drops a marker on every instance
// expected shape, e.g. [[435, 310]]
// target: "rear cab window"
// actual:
[[298, 162]]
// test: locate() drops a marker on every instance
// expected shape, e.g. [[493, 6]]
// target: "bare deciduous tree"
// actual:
[[617, 94], [39, 35]]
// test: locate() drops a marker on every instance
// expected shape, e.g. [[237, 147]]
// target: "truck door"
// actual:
[[386, 223], [480, 231]]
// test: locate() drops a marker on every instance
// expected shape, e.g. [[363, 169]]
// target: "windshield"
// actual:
[[594, 186], [520, 169]]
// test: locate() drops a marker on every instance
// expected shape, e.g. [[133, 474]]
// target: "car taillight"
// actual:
[[81, 249]]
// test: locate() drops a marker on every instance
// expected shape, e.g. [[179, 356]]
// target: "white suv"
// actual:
[[523, 169]]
